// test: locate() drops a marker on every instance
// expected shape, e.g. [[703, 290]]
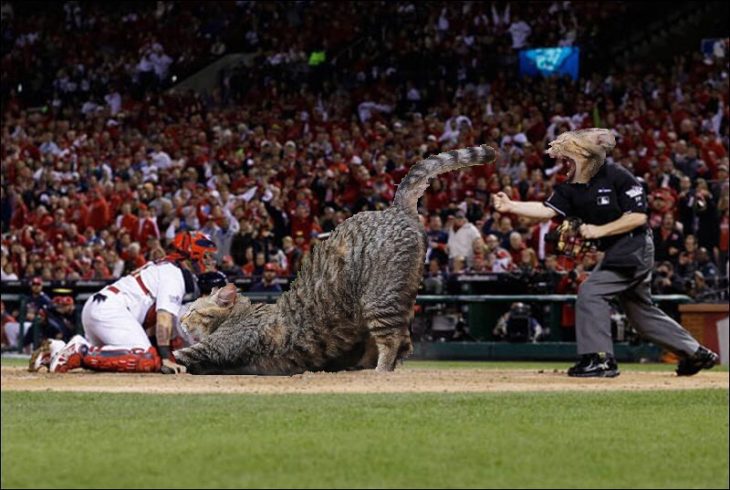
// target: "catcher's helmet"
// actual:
[[192, 245], [200, 244], [181, 243]]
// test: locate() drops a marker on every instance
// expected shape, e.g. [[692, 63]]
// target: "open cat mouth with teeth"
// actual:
[[569, 167]]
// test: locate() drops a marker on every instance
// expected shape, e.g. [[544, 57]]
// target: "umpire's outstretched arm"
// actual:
[[536, 210]]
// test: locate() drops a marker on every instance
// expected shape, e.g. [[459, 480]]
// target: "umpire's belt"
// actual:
[[641, 230]]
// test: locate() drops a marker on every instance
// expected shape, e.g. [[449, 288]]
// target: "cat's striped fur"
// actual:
[[353, 296]]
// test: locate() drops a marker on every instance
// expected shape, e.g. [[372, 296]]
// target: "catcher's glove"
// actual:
[[568, 240]]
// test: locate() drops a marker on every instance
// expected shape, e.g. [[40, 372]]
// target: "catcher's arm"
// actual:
[[165, 321], [536, 210]]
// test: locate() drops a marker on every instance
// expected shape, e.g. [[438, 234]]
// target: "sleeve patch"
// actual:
[[635, 191]]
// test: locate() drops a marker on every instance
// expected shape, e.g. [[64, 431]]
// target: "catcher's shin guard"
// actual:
[[123, 360]]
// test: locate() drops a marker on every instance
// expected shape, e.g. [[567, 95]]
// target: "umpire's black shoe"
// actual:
[[599, 365], [702, 359]]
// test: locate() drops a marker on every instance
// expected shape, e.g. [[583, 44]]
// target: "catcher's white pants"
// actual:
[[110, 323]]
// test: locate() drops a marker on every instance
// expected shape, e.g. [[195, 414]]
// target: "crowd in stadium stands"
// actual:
[[100, 176]]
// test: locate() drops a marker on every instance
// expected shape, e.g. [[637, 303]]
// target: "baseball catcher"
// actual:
[[115, 318]]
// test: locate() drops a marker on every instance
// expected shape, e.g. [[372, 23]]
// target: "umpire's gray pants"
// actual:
[[633, 290]]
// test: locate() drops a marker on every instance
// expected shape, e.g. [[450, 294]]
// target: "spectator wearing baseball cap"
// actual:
[[268, 281], [61, 319], [37, 303], [38, 298]]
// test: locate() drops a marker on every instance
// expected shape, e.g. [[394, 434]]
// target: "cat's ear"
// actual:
[[226, 296]]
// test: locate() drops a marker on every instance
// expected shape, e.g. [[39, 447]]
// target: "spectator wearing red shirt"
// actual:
[[56, 230], [146, 227], [302, 223], [42, 218], [435, 198], [20, 212], [99, 271], [99, 211], [127, 220], [133, 258], [78, 211], [537, 239]]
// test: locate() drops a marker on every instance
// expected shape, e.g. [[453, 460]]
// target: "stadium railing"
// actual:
[[481, 311]]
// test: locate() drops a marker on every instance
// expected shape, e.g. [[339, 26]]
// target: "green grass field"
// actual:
[[662, 439]]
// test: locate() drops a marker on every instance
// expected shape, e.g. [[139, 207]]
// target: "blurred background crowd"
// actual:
[[104, 159]]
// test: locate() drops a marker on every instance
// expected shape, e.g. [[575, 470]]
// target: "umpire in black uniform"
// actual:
[[612, 206]]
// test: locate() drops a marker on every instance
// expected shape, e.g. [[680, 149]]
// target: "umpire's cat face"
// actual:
[[207, 313]]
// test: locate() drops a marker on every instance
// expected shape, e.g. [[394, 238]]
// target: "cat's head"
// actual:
[[207, 313]]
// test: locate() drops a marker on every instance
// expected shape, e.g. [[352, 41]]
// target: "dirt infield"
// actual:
[[414, 380]]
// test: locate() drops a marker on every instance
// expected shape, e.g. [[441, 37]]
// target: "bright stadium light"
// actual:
[[174, 78], [20, 87]]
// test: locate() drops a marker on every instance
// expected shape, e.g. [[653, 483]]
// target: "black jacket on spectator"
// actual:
[[40, 301], [241, 241], [281, 222], [708, 223], [668, 285], [474, 212], [685, 204], [662, 246]]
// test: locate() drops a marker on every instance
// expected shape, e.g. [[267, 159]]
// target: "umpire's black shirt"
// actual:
[[611, 193]]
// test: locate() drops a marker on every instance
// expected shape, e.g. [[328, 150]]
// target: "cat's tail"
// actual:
[[415, 183]]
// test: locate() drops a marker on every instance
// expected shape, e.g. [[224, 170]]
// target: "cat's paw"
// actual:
[[182, 357]]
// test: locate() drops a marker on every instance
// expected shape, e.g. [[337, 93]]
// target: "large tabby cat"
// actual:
[[353, 296]]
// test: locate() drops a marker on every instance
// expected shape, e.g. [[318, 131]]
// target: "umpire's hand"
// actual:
[[502, 203], [590, 232], [169, 367]]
